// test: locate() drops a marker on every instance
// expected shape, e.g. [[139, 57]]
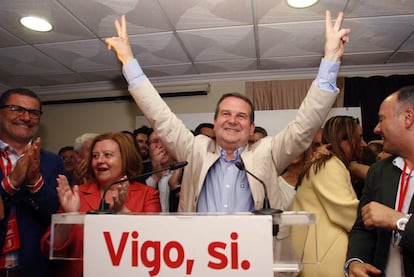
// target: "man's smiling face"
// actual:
[[19, 127], [232, 125]]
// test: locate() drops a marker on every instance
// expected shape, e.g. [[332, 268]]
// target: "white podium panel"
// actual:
[[154, 245], [179, 244]]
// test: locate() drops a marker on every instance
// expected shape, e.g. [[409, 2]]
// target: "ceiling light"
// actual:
[[301, 3], [36, 23]]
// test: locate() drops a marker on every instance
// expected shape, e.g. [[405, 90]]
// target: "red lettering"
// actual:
[[153, 263], [115, 256], [222, 258], [167, 254], [149, 254], [134, 249], [234, 251], [189, 267]]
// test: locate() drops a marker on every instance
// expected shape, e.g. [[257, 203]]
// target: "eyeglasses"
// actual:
[[19, 110]]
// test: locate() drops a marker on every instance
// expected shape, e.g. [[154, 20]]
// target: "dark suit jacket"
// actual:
[[33, 213], [372, 246]]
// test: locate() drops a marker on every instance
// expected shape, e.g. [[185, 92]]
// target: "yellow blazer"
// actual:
[[328, 194]]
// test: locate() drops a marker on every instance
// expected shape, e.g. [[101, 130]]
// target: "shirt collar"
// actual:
[[4, 147], [399, 162], [237, 153]]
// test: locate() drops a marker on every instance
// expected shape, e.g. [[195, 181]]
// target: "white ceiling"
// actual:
[[189, 41]]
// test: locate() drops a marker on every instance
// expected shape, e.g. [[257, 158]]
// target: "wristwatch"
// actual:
[[402, 222]]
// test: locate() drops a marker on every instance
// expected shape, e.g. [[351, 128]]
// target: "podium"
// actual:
[[182, 244]]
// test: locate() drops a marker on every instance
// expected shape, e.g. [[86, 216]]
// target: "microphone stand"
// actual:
[[266, 210], [102, 209]]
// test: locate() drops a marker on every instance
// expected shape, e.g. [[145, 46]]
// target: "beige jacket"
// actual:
[[266, 159]]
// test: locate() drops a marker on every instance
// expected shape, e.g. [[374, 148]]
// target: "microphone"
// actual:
[[266, 210], [102, 209]]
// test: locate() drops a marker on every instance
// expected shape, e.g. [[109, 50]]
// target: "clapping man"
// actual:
[[28, 185]]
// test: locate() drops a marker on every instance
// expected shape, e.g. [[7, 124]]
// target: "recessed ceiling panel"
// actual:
[[25, 60], [169, 70], [378, 33], [290, 63], [270, 11], [84, 55], [143, 16], [65, 27], [196, 14], [227, 66], [369, 8], [286, 40], [7, 39], [409, 43], [158, 49], [104, 76], [366, 58], [56, 79], [8, 80], [402, 57], [219, 44]]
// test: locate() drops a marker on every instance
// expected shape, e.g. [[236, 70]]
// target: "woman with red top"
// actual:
[[113, 157]]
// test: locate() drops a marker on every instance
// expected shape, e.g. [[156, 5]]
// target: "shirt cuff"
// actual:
[[328, 72], [133, 73], [38, 185], [346, 267], [7, 186]]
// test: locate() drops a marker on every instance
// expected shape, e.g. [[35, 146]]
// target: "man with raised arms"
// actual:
[[211, 181]]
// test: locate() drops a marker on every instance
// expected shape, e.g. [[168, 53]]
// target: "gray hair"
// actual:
[[79, 141]]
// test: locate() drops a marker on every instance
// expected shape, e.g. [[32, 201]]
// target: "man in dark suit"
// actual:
[[382, 239], [28, 185]]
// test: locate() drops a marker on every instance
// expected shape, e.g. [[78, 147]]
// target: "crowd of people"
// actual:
[[360, 193]]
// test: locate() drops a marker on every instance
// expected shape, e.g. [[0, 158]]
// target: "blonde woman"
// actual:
[[325, 189]]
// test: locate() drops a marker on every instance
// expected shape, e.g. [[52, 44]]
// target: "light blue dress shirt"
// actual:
[[226, 188]]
